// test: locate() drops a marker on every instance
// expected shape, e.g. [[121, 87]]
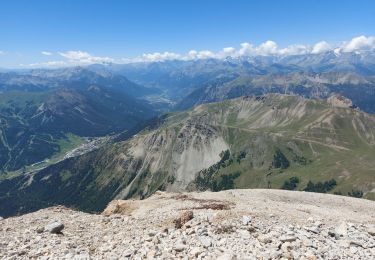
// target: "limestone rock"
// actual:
[[246, 220], [206, 241], [55, 227], [371, 231], [196, 251], [184, 217], [123, 207], [287, 238], [267, 238], [179, 247], [342, 229]]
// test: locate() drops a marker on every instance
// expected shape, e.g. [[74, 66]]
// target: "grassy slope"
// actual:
[[325, 136], [349, 159], [66, 144]]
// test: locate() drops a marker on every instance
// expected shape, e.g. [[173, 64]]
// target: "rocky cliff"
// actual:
[[339, 101]]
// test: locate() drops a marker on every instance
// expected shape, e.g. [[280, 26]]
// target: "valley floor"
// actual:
[[233, 224]]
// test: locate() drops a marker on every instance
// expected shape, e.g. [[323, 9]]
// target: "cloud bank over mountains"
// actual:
[[268, 48], [84, 57]]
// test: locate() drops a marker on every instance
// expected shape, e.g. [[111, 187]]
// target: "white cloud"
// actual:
[[246, 49], [295, 49], [228, 51], [160, 56], [192, 55], [267, 48], [153, 57], [82, 57], [47, 53], [58, 63], [72, 58], [321, 47], [206, 54], [359, 43]]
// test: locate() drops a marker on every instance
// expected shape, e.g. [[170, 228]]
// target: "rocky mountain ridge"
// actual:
[[306, 84], [193, 82]]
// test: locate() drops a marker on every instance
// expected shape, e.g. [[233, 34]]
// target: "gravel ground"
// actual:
[[235, 224]]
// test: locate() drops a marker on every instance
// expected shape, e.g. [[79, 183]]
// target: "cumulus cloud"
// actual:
[[246, 49], [295, 49], [192, 55], [359, 43], [47, 53], [228, 52], [321, 47], [72, 58], [154, 57], [58, 63], [206, 54], [267, 48], [82, 57], [160, 56]]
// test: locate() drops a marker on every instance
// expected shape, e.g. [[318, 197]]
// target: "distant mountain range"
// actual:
[[188, 83], [360, 89], [74, 77]]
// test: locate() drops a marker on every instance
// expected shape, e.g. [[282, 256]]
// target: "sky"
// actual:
[[55, 33]]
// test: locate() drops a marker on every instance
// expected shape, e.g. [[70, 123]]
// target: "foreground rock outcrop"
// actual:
[[234, 224]]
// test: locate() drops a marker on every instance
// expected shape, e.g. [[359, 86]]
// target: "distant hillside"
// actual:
[[45, 112], [360, 89], [274, 141], [73, 77]]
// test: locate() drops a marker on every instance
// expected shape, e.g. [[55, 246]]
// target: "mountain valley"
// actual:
[[43, 116], [248, 142]]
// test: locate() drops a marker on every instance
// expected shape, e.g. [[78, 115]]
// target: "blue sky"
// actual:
[[127, 29]]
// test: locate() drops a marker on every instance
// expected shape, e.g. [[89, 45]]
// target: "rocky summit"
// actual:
[[232, 224]]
